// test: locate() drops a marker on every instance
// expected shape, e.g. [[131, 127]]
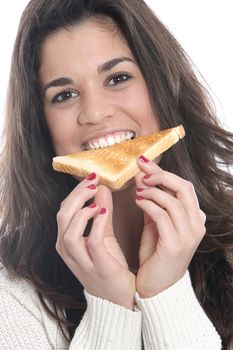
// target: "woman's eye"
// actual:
[[118, 79], [64, 96]]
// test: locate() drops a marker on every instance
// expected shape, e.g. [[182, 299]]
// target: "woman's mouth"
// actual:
[[108, 140]]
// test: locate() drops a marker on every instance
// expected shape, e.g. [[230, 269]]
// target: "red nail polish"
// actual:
[[92, 187], [143, 159], [146, 177], [139, 198], [140, 189], [92, 205], [103, 211], [91, 177]]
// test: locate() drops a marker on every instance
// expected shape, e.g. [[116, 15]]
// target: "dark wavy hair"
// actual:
[[31, 192]]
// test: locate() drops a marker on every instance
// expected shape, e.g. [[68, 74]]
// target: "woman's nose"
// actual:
[[95, 108]]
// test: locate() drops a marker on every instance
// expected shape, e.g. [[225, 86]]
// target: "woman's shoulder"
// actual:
[[19, 297], [21, 290], [13, 283]]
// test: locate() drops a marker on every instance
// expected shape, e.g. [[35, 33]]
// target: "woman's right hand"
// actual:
[[97, 260]]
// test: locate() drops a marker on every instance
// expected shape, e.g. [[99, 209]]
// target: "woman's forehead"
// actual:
[[76, 44]]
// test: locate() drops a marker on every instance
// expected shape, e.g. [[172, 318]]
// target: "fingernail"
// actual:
[[140, 189], [146, 177], [92, 205], [103, 211], [92, 187], [139, 198], [91, 177], [143, 159]]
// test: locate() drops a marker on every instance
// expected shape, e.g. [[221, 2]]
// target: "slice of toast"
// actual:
[[117, 164]]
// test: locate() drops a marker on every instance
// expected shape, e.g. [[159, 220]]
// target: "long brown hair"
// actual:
[[31, 192]]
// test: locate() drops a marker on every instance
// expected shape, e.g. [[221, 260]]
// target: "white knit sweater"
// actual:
[[172, 320]]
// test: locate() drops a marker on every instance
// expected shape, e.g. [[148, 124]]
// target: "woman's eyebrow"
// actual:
[[112, 63], [58, 82]]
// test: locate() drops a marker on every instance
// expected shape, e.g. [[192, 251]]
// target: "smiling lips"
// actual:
[[108, 140]]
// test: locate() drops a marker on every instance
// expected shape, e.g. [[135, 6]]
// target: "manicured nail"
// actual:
[[92, 205], [140, 189], [103, 211], [92, 187], [143, 159], [146, 177], [91, 177], [139, 198]]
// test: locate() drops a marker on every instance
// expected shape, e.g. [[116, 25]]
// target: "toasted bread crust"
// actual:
[[117, 164]]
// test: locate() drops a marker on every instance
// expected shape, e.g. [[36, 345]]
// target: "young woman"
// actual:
[[82, 267]]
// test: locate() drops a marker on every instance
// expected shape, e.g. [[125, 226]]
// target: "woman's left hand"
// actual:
[[174, 225]]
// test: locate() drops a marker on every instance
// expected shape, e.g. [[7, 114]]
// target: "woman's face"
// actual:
[[94, 92]]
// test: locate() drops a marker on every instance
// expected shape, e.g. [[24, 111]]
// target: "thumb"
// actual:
[[103, 198]]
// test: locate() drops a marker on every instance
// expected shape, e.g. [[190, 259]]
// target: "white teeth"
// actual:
[[109, 141], [103, 143], [123, 137], [118, 139], [96, 145], [129, 135]]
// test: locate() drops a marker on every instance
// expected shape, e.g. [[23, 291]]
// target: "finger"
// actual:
[[140, 186], [73, 243], [203, 216], [149, 168], [104, 197], [165, 227], [74, 203], [139, 180], [182, 189], [172, 206], [184, 193], [91, 179], [95, 243]]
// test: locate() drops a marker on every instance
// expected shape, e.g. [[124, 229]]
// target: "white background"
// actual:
[[204, 29]]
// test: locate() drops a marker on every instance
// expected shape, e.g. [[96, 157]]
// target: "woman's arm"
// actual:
[[174, 320], [22, 326], [107, 326], [25, 325], [99, 264], [174, 226]]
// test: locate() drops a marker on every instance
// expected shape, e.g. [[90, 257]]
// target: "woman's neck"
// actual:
[[128, 224]]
